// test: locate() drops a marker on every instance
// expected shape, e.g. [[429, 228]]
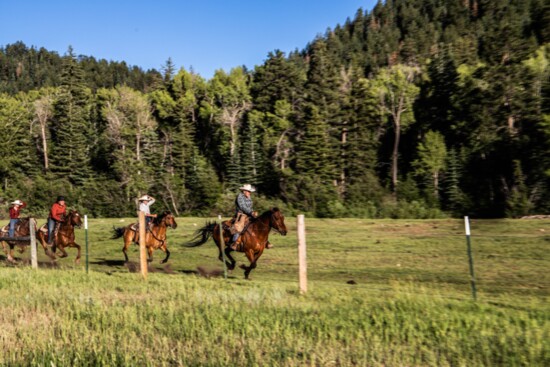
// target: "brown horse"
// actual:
[[252, 241], [64, 237], [155, 236], [21, 230]]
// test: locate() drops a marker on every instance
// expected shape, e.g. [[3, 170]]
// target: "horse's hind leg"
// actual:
[[127, 241], [227, 250], [47, 251], [63, 252]]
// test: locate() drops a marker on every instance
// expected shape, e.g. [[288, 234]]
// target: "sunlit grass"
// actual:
[[410, 303]]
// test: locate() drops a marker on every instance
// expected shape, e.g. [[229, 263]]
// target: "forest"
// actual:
[[414, 109]]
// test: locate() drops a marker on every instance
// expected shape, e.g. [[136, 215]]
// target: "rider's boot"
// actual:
[[233, 243]]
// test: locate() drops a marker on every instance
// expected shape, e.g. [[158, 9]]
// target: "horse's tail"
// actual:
[[202, 235], [118, 232]]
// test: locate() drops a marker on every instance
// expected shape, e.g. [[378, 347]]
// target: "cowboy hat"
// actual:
[[144, 197], [247, 187], [17, 202]]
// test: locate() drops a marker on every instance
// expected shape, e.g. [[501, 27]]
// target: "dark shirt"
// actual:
[[244, 204]]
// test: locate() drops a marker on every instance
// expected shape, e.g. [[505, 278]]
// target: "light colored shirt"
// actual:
[[145, 207]]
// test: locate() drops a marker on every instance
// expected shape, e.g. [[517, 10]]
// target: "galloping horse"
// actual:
[[252, 241], [64, 237], [21, 230], [155, 237]]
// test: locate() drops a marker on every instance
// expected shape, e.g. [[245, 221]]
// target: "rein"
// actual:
[[155, 237]]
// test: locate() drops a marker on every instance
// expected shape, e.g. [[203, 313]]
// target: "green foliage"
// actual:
[[329, 130]]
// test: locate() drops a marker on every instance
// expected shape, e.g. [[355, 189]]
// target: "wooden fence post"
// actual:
[[222, 245], [302, 253], [32, 233], [142, 249]]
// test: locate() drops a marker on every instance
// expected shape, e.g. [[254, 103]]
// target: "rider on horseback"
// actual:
[[243, 213], [15, 208], [57, 212], [144, 206]]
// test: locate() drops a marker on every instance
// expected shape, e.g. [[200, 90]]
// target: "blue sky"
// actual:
[[203, 34]]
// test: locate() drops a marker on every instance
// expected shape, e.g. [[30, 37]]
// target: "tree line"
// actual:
[[415, 109]]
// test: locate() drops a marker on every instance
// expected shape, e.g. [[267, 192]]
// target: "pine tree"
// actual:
[[71, 130]]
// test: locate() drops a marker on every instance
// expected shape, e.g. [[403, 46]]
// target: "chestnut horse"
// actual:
[[155, 236], [64, 237], [21, 230], [252, 241]]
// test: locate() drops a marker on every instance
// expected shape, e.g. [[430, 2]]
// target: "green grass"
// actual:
[[410, 304]]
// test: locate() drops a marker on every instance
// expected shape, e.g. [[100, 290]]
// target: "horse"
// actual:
[[21, 230], [64, 237], [252, 241], [155, 236]]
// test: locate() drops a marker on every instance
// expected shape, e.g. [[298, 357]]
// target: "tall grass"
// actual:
[[416, 314], [68, 318]]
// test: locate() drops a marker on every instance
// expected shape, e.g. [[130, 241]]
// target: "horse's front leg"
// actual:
[[11, 259], [165, 249], [150, 254], [253, 258], [77, 260]]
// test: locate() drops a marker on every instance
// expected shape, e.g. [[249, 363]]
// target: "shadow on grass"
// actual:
[[27, 262]]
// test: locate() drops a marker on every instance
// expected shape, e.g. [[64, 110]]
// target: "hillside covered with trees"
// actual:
[[418, 108]]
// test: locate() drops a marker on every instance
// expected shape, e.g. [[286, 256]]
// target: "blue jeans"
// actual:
[[51, 227], [13, 223]]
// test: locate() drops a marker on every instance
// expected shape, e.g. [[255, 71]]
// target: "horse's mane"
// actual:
[[158, 220], [269, 212]]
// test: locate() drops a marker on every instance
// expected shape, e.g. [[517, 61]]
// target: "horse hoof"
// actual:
[[77, 261]]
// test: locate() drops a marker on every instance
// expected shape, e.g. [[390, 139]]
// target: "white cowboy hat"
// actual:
[[17, 202], [247, 187], [144, 197]]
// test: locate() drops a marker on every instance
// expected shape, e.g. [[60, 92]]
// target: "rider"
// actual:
[[57, 212], [243, 211], [15, 208], [144, 206]]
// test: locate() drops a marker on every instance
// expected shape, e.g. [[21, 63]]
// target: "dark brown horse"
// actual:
[[252, 241], [21, 230], [64, 237], [155, 236]]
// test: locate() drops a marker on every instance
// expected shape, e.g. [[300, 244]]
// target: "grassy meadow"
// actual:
[[380, 293]]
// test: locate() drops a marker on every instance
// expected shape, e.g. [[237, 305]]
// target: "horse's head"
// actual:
[[168, 219], [74, 218], [277, 221]]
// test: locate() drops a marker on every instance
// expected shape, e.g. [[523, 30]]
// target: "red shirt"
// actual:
[[57, 211], [14, 212]]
